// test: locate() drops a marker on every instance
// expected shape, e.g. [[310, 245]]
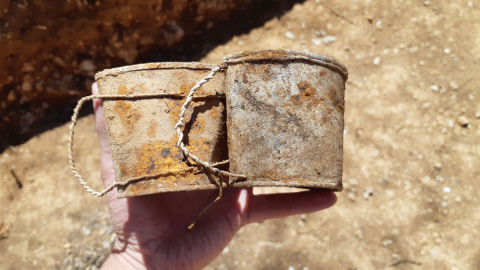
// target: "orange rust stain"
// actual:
[[124, 170], [152, 129], [175, 106], [202, 148], [122, 90], [214, 112], [275, 176], [307, 94], [323, 73], [267, 73], [128, 116], [268, 55], [185, 89], [339, 105], [156, 157], [245, 78]]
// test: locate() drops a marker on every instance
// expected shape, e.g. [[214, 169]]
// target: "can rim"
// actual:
[[153, 66], [285, 55]]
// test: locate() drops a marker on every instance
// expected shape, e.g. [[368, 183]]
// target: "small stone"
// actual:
[[367, 193], [444, 204], [377, 61], [11, 96], [86, 231], [447, 189], [387, 242], [87, 65], [426, 3], [437, 166], [329, 39], [320, 33], [290, 35], [453, 85], [291, 268], [351, 196], [462, 121], [447, 50], [477, 115], [458, 199], [426, 179], [439, 178], [27, 67], [434, 88], [317, 41], [26, 86]]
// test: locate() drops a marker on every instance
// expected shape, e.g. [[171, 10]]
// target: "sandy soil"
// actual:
[[411, 162]]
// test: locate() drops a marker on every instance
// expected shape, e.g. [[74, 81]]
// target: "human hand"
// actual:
[[152, 231]]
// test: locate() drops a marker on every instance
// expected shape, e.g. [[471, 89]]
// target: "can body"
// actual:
[[141, 131], [285, 119]]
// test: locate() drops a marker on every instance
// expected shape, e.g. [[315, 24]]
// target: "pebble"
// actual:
[[453, 85], [317, 41], [351, 196], [439, 178], [462, 121], [437, 166], [447, 189], [290, 35], [447, 50], [87, 65], [434, 88], [377, 61], [477, 115], [387, 242], [368, 193], [320, 33], [86, 231], [26, 86], [27, 67], [329, 39]]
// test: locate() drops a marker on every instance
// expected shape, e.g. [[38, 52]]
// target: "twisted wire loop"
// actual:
[[178, 128]]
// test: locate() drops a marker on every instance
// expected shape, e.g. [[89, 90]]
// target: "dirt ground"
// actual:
[[411, 153]]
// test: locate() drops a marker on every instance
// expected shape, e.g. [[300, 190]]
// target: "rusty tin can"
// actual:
[[141, 131], [285, 119]]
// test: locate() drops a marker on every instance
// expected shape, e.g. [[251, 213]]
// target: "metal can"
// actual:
[[285, 119], [141, 131]]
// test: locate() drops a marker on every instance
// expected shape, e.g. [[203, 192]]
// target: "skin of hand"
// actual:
[[152, 231]]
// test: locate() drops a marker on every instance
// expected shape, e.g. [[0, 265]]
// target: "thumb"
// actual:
[[270, 206]]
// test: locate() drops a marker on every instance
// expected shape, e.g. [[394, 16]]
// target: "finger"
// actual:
[[270, 206], [106, 157], [100, 121]]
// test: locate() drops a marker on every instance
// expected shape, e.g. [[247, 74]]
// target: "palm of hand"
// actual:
[[152, 231]]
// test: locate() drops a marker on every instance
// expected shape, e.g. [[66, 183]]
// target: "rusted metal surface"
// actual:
[[285, 119], [141, 131]]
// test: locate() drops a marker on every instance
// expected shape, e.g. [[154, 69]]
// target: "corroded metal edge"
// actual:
[[128, 194], [286, 55], [262, 182], [149, 66]]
